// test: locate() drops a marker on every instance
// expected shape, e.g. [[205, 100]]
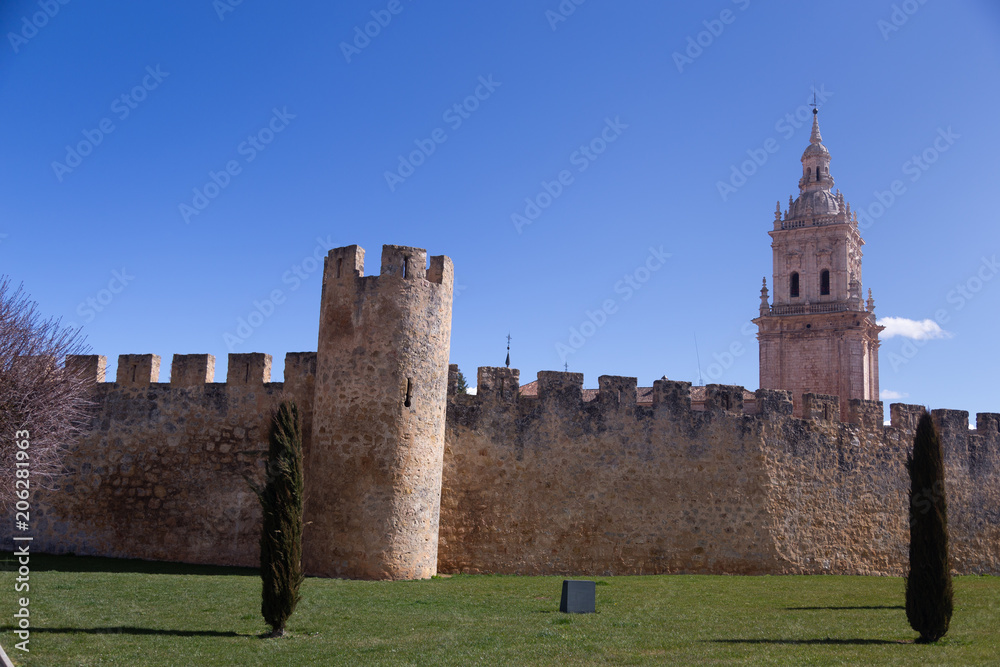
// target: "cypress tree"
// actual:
[[281, 534], [928, 584], [462, 387]]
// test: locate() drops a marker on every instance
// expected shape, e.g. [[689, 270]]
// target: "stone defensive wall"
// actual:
[[575, 482], [621, 480], [160, 472]]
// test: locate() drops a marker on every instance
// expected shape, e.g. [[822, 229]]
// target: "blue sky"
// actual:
[[290, 118]]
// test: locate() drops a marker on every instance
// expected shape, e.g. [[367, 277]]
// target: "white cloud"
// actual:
[[889, 395], [471, 391], [915, 329]]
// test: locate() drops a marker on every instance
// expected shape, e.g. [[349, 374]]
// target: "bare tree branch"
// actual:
[[37, 394]]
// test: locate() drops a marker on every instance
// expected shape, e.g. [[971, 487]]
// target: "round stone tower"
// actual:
[[373, 469]]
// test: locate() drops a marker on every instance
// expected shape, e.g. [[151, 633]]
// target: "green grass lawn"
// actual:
[[89, 611]]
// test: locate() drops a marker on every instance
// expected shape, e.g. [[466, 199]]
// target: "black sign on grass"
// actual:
[[578, 597]]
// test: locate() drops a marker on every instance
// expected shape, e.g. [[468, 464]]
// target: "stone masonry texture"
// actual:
[[373, 473]]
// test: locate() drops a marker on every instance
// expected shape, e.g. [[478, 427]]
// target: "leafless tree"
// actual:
[[37, 393]]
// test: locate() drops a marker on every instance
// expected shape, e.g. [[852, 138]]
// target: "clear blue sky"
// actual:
[[211, 75]]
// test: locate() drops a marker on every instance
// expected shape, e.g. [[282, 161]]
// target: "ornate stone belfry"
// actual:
[[818, 335]]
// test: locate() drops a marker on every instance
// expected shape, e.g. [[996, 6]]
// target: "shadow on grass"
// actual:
[[71, 563], [126, 630], [841, 608], [853, 642]]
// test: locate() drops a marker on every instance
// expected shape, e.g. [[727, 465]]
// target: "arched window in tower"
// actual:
[[824, 283], [819, 171], [793, 285]]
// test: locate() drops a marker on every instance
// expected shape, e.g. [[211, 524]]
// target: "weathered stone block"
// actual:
[[774, 402], [821, 407], [723, 398], [498, 383], [92, 367], [299, 366], [953, 431], [192, 370], [560, 390], [617, 393], [404, 262], [249, 369], [441, 270], [672, 397], [137, 370], [868, 414], [904, 417]]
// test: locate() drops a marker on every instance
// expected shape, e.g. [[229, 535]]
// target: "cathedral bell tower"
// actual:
[[818, 335]]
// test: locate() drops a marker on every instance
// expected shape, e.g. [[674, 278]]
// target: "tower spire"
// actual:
[[815, 137]]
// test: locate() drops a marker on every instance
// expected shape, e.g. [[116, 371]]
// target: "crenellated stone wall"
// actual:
[[552, 484], [160, 474], [559, 485]]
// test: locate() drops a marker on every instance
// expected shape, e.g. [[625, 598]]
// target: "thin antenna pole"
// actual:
[[698, 357]]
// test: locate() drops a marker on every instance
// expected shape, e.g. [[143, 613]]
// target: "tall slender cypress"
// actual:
[[281, 534], [928, 584]]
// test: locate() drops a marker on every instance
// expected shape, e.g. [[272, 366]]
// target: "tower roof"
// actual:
[[815, 198], [815, 147]]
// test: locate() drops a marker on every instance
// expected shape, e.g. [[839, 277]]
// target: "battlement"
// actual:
[[680, 401], [617, 394], [188, 370], [821, 407], [397, 262], [246, 369], [90, 367], [674, 399], [135, 370], [724, 398], [497, 383], [192, 370]]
